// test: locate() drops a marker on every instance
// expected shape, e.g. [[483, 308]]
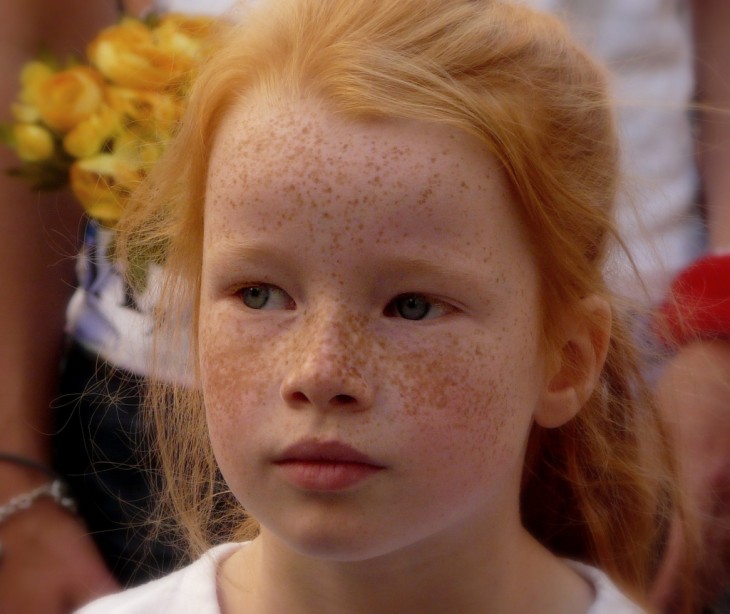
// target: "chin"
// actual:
[[328, 544], [333, 539]]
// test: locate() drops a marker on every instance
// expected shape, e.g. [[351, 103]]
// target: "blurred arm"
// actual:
[[38, 236], [712, 49], [693, 392], [37, 244]]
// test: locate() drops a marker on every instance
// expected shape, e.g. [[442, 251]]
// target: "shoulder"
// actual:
[[190, 589], [609, 599]]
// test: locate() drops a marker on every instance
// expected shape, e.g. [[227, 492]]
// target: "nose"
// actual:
[[327, 368]]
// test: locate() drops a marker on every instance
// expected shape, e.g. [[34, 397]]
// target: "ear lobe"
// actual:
[[578, 363]]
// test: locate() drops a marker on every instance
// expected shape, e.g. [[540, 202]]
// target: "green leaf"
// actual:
[[6, 135], [46, 56], [152, 20], [41, 176]]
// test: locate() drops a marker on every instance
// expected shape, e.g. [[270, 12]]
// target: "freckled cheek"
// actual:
[[234, 369], [458, 405]]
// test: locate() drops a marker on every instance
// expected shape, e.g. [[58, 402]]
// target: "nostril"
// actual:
[[338, 400], [299, 397]]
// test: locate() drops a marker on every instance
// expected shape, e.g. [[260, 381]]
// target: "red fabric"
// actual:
[[698, 306]]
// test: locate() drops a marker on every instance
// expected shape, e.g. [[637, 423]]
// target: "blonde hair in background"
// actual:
[[601, 488]]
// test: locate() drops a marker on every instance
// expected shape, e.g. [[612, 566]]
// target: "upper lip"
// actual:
[[324, 451]]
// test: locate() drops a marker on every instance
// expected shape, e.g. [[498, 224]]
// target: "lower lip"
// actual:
[[325, 476]]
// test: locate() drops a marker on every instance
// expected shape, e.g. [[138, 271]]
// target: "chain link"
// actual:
[[55, 490]]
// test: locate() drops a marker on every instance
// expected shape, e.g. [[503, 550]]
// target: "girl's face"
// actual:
[[369, 330]]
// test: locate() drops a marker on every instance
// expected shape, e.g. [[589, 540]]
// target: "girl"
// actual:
[[389, 218]]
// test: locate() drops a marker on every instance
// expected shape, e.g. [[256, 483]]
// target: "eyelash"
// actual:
[[259, 295], [286, 302], [394, 309]]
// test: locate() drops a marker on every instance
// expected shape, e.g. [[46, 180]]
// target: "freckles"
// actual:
[[453, 400], [340, 349], [233, 390], [460, 401]]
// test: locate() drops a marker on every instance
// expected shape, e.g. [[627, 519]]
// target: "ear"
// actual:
[[576, 365]]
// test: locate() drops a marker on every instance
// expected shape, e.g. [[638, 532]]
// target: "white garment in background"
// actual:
[[194, 7], [103, 315], [193, 590]]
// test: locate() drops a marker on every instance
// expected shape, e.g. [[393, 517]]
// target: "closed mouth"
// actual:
[[324, 452], [325, 466]]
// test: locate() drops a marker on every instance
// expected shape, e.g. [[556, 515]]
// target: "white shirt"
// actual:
[[193, 590]]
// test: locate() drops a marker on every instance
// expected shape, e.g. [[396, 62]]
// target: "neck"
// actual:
[[508, 572]]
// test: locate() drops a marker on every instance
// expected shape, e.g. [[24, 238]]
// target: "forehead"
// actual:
[[303, 134], [297, 151]]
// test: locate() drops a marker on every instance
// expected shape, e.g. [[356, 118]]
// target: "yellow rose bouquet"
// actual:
[[99, 125]]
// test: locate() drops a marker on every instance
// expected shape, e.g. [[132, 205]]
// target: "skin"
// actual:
[[338, 221]]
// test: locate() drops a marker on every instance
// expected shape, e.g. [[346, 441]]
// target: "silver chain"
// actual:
[[55, 490]]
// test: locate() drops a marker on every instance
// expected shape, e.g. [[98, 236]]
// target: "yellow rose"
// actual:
[[32, 77], [183, 35], [33, 143], [138, 153], [69, 97], [102, 185], [88, 137], [25, 113], [127, 54], [153, 114], [197, 28], [114, 115]]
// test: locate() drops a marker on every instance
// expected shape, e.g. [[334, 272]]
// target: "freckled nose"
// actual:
[[327, 371]]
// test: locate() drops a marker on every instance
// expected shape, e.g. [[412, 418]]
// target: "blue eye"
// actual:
[[410, 307], [265, 296]]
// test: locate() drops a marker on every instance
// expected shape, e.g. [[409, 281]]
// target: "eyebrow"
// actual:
[[234, 251], [396, 266], [426, 268]]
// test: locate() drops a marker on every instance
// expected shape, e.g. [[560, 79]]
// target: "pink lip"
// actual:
[[325, 465]]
